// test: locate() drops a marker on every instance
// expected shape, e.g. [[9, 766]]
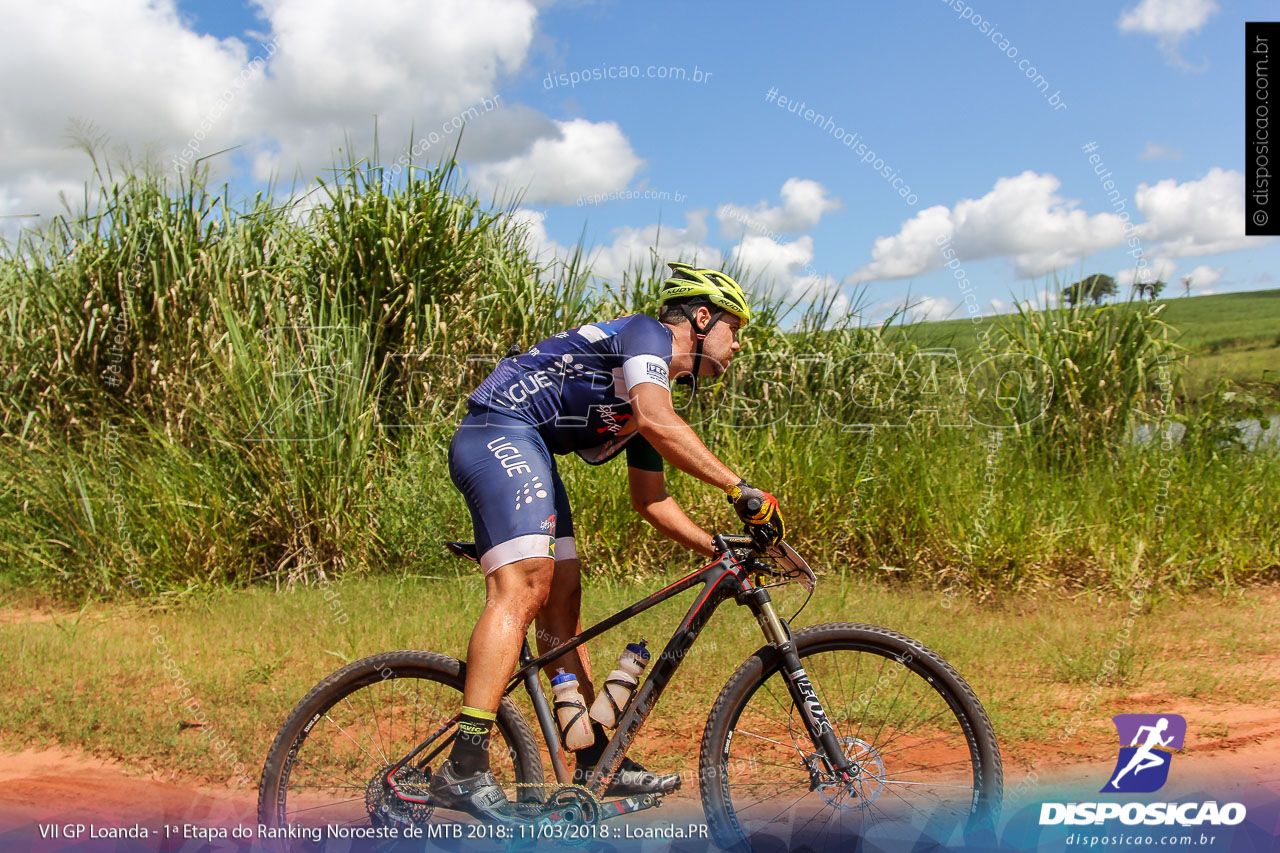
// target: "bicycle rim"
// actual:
[[345, 738], [927, 767]]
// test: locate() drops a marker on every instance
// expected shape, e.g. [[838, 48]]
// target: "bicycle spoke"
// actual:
[[892, 705], [899, 734], [334, 770], [926, 784], [364, 729], [326, 805], [908, 740], [324, 773], [769, 739], [931, 767], [803, 794], [349, 737]]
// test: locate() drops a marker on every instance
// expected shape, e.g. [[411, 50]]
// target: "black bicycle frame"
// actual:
[[726, 577]]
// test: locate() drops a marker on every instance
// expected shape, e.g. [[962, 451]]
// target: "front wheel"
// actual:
[[927, 766]]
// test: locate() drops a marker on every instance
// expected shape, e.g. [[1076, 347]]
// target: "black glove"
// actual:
[[759, 511]]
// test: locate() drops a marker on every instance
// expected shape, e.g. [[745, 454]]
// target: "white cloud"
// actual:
[[1204, 275], [1022, 217], [769, 259], [540, 244], [912, 251], [814, 288], [784, 270], [633, 245], [929, 308], [1156, 151], [914, 309], [629, 246], [1201, 217], [140, 77], [1168, 20], [414, 66], [1043, 299], [129, 69], [803, 203], [1158, 269], [586, 158], [503, 133]]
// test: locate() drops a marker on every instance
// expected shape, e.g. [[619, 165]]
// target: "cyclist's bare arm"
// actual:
[[649, 498], [674, 439]]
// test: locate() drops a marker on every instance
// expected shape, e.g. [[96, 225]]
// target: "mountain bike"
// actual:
[[824, 734]]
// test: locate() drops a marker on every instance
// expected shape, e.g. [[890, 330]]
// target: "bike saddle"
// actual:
[[464, 549]]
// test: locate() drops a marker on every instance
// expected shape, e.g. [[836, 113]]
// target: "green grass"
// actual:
[[1227, 336], [288, 385], [1210, 323], [97, 679]]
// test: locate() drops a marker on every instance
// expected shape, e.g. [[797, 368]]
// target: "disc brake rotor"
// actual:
[[867, 783]]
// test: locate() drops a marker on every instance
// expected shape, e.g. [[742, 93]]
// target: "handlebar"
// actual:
[[726, 541], [779, 560]]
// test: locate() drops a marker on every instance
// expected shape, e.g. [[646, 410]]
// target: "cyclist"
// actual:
[[593, 390]]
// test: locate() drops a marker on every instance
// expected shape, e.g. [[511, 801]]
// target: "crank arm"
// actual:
[[611, 809]]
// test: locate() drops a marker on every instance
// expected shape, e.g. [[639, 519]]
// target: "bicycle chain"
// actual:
[[537, 809]]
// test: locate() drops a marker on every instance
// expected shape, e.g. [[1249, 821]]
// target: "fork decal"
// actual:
[[812, 707]]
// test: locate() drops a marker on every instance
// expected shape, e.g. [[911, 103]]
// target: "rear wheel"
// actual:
[[927, 763], [330, 761]]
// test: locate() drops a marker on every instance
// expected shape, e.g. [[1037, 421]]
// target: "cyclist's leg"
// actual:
[[515, 593], [559, 619], [504, 472]]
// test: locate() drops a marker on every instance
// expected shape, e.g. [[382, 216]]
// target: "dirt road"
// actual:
[[54, 785]]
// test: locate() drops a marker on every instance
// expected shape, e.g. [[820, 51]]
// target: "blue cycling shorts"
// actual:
[[518, 504]]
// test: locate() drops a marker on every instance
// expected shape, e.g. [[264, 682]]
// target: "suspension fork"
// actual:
[[805, 697]]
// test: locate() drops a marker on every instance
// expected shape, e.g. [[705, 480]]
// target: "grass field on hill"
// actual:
[[1227, 336]]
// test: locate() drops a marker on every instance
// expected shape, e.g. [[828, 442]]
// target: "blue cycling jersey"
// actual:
[[574, 387]]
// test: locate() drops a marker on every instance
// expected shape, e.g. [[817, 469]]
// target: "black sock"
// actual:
[[470, 753], [589, 756]]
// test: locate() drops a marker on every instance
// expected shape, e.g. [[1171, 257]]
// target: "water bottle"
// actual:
[[619, 686], [571, 711]]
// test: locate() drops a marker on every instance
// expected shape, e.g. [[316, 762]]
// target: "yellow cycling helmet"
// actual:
[[688, 281]]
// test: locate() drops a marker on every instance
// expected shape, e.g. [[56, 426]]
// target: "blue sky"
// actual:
[[995, 170]]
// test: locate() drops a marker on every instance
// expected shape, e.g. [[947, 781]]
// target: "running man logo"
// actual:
[[1143, 765]]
